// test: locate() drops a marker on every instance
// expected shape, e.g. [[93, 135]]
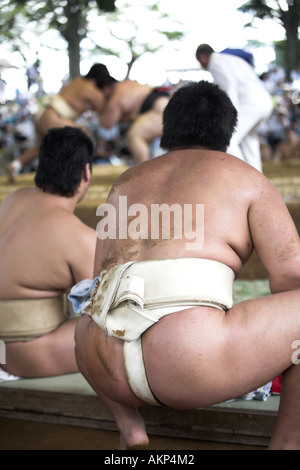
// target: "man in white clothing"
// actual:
[[249, 96]]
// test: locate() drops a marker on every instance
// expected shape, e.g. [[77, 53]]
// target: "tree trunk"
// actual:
[[74, 57], [291, 20], [74, 16]]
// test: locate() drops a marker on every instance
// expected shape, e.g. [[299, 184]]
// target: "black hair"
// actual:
[[204, 49], [63, 156], [100, 74], [199, 114]]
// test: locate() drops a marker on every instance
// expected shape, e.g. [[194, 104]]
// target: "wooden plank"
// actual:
[[220, 424]]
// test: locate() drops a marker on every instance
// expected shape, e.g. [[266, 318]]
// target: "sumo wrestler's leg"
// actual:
[[269, 329], [146, 128], [48, 355], [48, 120], [14, 168], [225, 355], [286, 433], [129, 422]]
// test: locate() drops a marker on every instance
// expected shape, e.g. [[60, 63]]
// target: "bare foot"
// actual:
[[134, 435], [11, 174], [140, 446]]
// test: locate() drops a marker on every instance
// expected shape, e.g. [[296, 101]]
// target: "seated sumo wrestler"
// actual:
[[44, 247], [159, 325]]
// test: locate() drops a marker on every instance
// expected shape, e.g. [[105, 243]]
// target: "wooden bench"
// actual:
[[69, 400]]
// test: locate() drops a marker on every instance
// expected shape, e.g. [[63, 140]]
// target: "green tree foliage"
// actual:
[[287, 13], [163, 30], [71, 19], [68, 17]]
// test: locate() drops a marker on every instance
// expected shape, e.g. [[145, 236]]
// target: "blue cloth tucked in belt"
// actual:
[[80, 294]]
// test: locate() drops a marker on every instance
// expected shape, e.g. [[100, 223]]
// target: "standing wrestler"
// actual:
[[161, 327], [62, 110], [140, 105]]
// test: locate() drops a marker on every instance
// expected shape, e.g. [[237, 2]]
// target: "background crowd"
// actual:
[[279, 135]]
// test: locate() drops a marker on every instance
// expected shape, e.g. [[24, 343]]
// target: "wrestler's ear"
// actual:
[[87, 173]]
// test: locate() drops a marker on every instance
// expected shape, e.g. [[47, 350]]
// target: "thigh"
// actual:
[[149, 124], [259, 338], [210, 358], [50, 119], [100, 360], [48, 355]]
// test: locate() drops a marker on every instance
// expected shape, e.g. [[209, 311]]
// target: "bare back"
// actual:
[[125, 102], [83, 94], [44, 248], [235, 199]]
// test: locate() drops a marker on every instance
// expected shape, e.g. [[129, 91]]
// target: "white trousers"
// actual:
[[254, 107]]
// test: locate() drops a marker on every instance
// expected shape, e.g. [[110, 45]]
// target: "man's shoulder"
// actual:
[[122, 179], [22, 192], [120, 88], [19, 194], [128, 85], [66, 227], [65, 218]]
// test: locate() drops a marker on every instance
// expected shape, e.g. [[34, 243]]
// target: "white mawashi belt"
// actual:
[[124, 297]]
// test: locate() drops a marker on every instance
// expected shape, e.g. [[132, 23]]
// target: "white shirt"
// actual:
[[235, 76]]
